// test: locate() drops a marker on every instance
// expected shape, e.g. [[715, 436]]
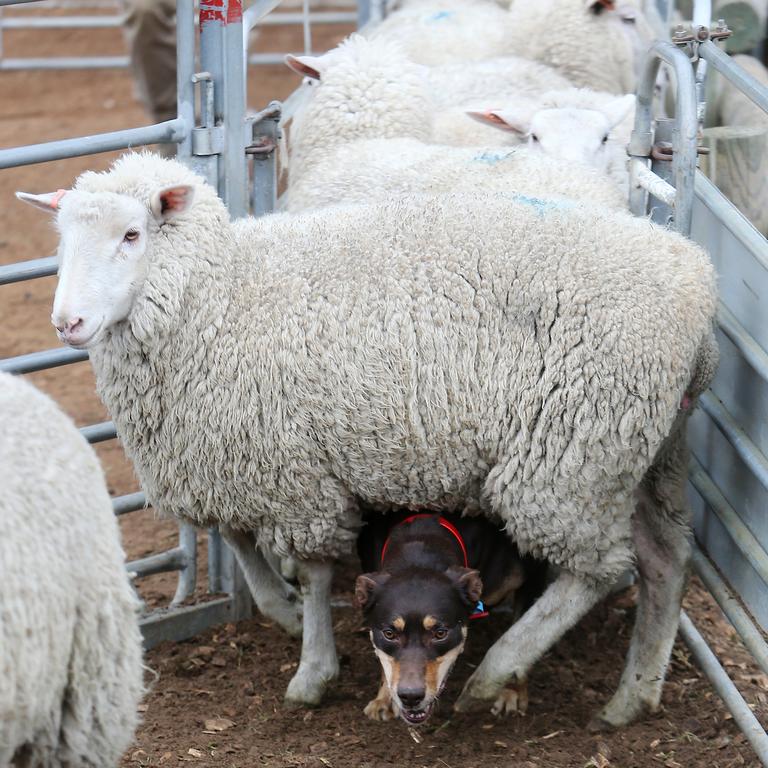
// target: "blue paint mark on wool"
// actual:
[[440, 16], [543, 206], [491, 157]]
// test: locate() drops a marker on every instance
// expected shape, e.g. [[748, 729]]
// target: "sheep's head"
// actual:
[[565, 133], [104, 247]]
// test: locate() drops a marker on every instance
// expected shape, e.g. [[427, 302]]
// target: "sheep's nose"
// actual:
[[68, 326], [411, 697]]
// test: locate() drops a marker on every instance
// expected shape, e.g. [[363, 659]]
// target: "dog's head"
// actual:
[[418, 624]]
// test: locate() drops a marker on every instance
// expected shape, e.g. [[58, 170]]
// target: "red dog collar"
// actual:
[[479, 612]]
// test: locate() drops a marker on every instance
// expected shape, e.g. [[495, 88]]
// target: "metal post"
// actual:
[[185, 69], [221, 54], [683, 137], [660, 212]]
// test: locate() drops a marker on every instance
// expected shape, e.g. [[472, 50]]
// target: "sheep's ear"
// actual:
[[503, 119], [48, 202], [617, 109], [598, 6], [467, 581], [171, 201], [307, 66], [366, 588]]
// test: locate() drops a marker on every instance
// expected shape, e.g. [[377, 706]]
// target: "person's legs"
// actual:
[[150, 28]]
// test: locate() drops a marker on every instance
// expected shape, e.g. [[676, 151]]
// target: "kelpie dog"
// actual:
[[427, 574]]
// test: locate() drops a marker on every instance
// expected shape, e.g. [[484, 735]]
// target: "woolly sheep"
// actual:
[[529, 361], [589, 42], [366, 91], [575, 125], [70, 646]]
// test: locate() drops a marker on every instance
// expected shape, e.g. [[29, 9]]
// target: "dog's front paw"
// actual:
[[514, 698], [380, 709]]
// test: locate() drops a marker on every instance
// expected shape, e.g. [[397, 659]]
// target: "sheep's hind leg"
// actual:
[[659, 530], [563, 603], [318, 665], [274, 597]]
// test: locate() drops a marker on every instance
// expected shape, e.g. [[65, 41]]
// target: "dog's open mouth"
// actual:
[[416, 716]]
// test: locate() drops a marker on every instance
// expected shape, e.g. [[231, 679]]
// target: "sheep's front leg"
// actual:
[[563, 603], [318, 665], [274, 597]]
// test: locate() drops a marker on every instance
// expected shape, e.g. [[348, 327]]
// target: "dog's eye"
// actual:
[[440, 634], [131, 236], [389, 634]]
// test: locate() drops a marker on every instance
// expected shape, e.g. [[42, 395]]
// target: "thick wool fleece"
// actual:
[[594, 50], [368, 89], [433, 35], [430, 352], [364, 171], [70, 647]]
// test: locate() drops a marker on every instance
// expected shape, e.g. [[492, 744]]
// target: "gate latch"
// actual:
[[207, 139]]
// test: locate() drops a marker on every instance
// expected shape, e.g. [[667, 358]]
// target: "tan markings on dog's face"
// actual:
[[429, 622], [390, 668], [399, 623]]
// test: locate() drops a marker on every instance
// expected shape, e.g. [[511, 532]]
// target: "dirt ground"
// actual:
[[216, 700]]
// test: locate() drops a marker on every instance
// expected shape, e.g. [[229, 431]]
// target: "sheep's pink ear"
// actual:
[[171, 201], [48, 202], [503, 119], [307, 66], [617, 109]]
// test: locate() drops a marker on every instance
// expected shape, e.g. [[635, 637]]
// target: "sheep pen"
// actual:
[[229, 681]]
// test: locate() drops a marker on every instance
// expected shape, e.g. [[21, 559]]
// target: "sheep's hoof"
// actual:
[[469, 701], [618, 712], [307, 687], [514, 698], [286, 616], [380, 709]]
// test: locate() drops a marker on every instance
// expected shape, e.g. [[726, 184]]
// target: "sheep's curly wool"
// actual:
[[70, 646], [520, 356], [370, 170]]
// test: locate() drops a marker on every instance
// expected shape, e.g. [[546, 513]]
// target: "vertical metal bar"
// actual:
[[188, 574], [185, 68], [662, 213], [233, 583], [215, 546], [306, 27]]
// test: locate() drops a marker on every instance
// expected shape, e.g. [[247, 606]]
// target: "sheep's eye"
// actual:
[[389, 634], [440, 634], [534, 138], [605, 139], [131, 235]]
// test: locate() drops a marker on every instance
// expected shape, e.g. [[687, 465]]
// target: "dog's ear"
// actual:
[[467, 581], [366, 587]]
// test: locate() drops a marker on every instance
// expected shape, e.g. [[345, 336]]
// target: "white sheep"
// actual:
[[70, 646], [592, 43], [525, 359], [576, 125], [348, 142]]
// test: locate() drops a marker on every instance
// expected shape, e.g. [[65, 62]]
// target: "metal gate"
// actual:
[[235, 152], [728, 433]]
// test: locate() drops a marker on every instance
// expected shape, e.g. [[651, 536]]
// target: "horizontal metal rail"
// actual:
[[16, 2], [28, 270], [750, 86], [168, 132], [744, 539], [38, 361], [131, 502], [98, 433], [733, 700], [171, 560], [66, 62], [749, 453], [752, 352], [740, 620], [732, 219]]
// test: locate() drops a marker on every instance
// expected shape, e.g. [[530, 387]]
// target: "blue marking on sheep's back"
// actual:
[[491, 157], [440, 16], [543, 206]]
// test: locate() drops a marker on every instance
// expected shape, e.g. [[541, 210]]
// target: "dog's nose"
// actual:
[[411, 697]]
